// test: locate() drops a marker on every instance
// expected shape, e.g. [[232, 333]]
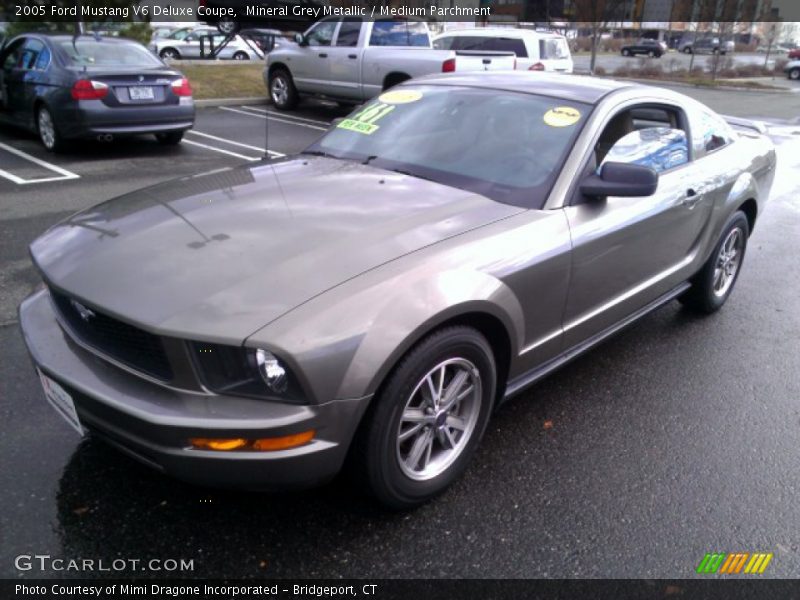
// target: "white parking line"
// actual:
[[259, 116], [220, 150], [65, 175], [232, 143], [285, 115]]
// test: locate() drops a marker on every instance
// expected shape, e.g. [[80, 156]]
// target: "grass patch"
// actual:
[[230, 80]]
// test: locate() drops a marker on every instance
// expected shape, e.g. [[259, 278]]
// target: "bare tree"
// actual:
[[597, 14]]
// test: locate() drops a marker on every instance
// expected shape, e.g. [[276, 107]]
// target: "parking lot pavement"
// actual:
[[676, 438], [673, 60]]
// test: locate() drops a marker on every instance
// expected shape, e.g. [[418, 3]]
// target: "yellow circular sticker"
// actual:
[[561, 116], [400, 96]]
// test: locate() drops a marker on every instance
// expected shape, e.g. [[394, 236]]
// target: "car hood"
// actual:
[[220, 255]]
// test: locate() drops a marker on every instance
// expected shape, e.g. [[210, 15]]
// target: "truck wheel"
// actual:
[[282, 90], [426, 422]]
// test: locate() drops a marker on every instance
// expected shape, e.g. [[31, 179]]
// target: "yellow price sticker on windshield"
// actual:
[[561, 116], [358, 126], [400, 96]]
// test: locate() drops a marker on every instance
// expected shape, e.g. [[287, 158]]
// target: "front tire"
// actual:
[[687, 50], [169, 54], [241, 56], [425, 424], [626, 52], [48, 130], [712, 286], [794, 74], [282, 90]]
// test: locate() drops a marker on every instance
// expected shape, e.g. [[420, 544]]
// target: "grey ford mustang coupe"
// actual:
[[371, 300]]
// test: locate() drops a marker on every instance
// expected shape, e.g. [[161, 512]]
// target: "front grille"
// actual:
[[129, 345]]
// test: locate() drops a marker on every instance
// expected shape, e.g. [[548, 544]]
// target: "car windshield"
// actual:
[[487, 141], [104, 54]]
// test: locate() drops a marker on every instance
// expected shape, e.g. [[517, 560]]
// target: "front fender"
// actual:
[[343, 343]]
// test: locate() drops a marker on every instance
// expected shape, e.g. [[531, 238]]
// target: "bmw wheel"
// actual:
[[282, 90], [714, 283], [425, 424], [48, 130]]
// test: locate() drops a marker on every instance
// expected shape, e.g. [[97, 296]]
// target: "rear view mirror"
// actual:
[[300, 39], [621, 179]]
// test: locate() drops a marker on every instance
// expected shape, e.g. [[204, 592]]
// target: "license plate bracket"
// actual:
[[61, 401]]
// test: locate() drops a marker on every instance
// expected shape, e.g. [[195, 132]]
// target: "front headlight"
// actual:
[[239, 371]]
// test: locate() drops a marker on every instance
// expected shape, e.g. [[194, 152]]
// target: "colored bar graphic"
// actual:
[[733, 563]]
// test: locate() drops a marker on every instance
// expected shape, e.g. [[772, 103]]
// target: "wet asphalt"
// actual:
[[677, 437]]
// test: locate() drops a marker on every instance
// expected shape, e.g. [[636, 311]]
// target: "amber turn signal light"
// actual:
[[258, 445]]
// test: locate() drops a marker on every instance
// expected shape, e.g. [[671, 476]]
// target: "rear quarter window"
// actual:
[[399, 33]]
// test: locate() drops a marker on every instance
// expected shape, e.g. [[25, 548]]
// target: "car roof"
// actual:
[[578, 88], [61, 37], [500, 32]]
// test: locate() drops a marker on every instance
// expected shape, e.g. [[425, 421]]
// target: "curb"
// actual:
[[718, 86], [211, 102]]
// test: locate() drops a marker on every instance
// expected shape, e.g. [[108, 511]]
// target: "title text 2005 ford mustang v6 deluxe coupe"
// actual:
[[372, 299]]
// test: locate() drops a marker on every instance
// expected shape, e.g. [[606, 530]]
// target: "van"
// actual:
[[535, 50]]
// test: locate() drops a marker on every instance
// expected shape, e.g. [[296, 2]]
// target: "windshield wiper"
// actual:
[[410, 174], [319, 153]]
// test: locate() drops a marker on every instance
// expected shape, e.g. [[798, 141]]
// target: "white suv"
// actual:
[[535, 50]]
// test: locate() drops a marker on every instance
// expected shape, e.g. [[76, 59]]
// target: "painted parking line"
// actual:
[[233, 143], [63, 173], [271, 118], [221, 150], [286, 116]]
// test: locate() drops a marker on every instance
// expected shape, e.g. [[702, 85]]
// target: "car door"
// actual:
[[345, 68], [311, 66], [11, 78], [34, 78], [189, 47], [627, 252]]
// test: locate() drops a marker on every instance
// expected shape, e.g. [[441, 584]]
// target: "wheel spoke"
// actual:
[[415, 415], [451, 394], [454, 422], [417, 450], [451, 441], [413, 430]]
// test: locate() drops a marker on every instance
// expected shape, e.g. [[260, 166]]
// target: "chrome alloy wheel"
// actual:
[[439, 419], [47, 130], [728, 261], [280, 91]]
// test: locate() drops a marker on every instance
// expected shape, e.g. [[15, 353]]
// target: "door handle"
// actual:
[[691, 198], [323, 55], [353, 56]]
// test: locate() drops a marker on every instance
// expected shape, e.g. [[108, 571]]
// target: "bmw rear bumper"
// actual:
[[153, 423], [92, 118]]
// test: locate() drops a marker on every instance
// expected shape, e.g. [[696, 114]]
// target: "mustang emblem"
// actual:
[[85, 313]]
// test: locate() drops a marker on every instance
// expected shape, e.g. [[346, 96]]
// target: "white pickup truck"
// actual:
[[350, 60]]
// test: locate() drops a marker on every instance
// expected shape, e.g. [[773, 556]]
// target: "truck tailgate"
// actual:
[[476, 60]]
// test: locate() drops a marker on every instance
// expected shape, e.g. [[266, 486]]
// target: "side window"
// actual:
[[349, 32], [191, 37], [30, 53], [660, 131], [11, 55], [660, 148], [44, 59], [322, 33], [390, 32], [710, 132], [445, 43]]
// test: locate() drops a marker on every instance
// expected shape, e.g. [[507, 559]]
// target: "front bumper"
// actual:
[[153, 423]]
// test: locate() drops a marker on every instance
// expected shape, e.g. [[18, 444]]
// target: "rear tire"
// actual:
[[687, 50], [48, 131], [626, 52], [714, 283], [282, 91], [794, 74], [173, 138], [169, 54], [241, 56], [410, 446], [651, 54]]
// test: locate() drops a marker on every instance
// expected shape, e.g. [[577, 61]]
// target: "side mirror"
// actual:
[[300, 39], [621, 179]]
